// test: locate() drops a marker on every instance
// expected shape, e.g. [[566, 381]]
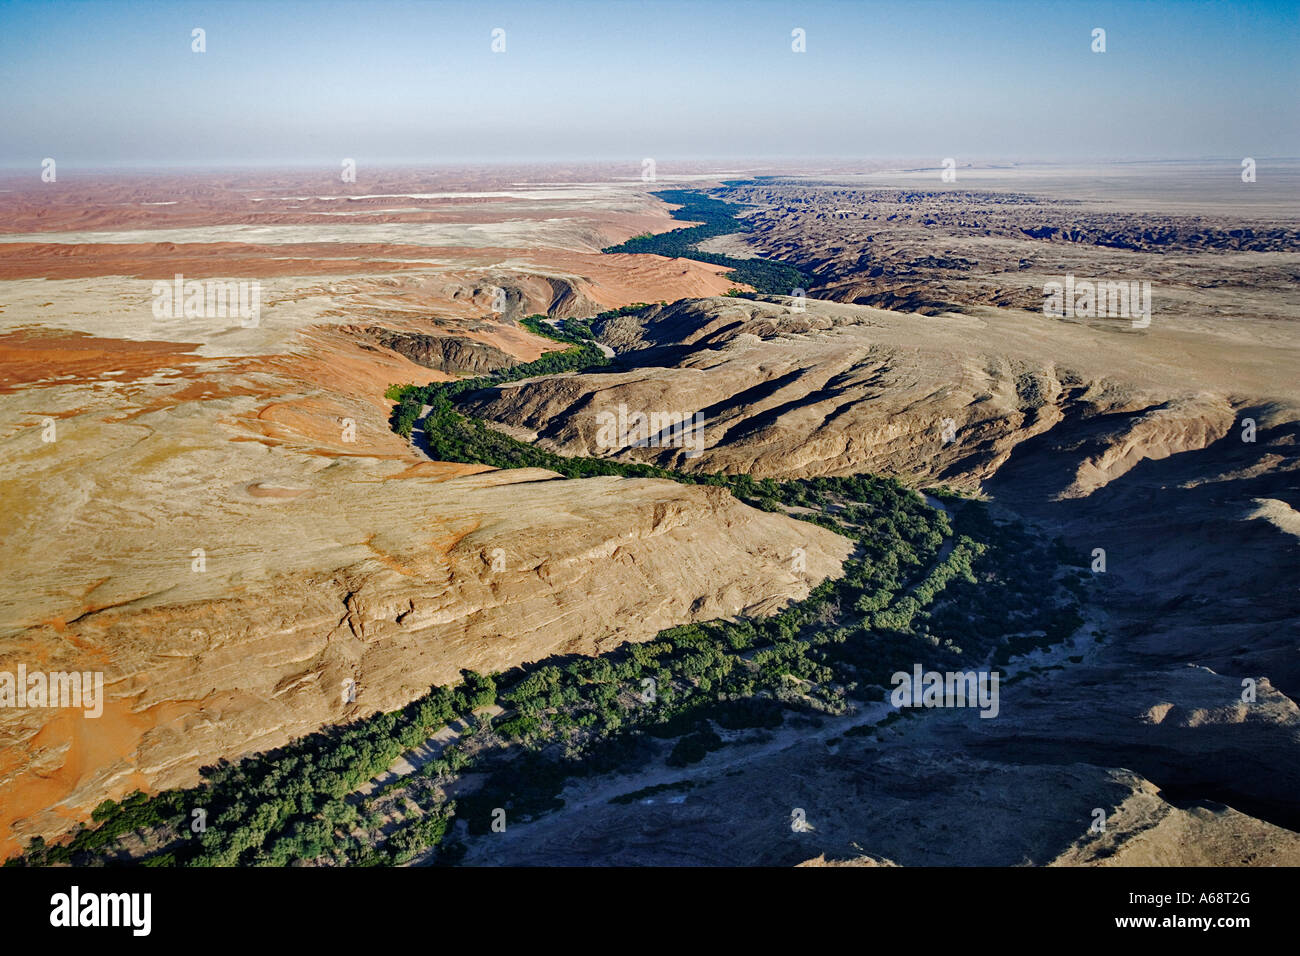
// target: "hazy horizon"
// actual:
[[810, 164], [418, 84]]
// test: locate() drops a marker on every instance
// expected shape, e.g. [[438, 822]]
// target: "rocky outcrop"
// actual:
[[836, 389], [446, 353]]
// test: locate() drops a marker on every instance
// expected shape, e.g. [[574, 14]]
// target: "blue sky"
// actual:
[[104, 83]]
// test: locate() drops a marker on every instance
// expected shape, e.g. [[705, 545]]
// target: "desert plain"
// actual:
[[218, 516]]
